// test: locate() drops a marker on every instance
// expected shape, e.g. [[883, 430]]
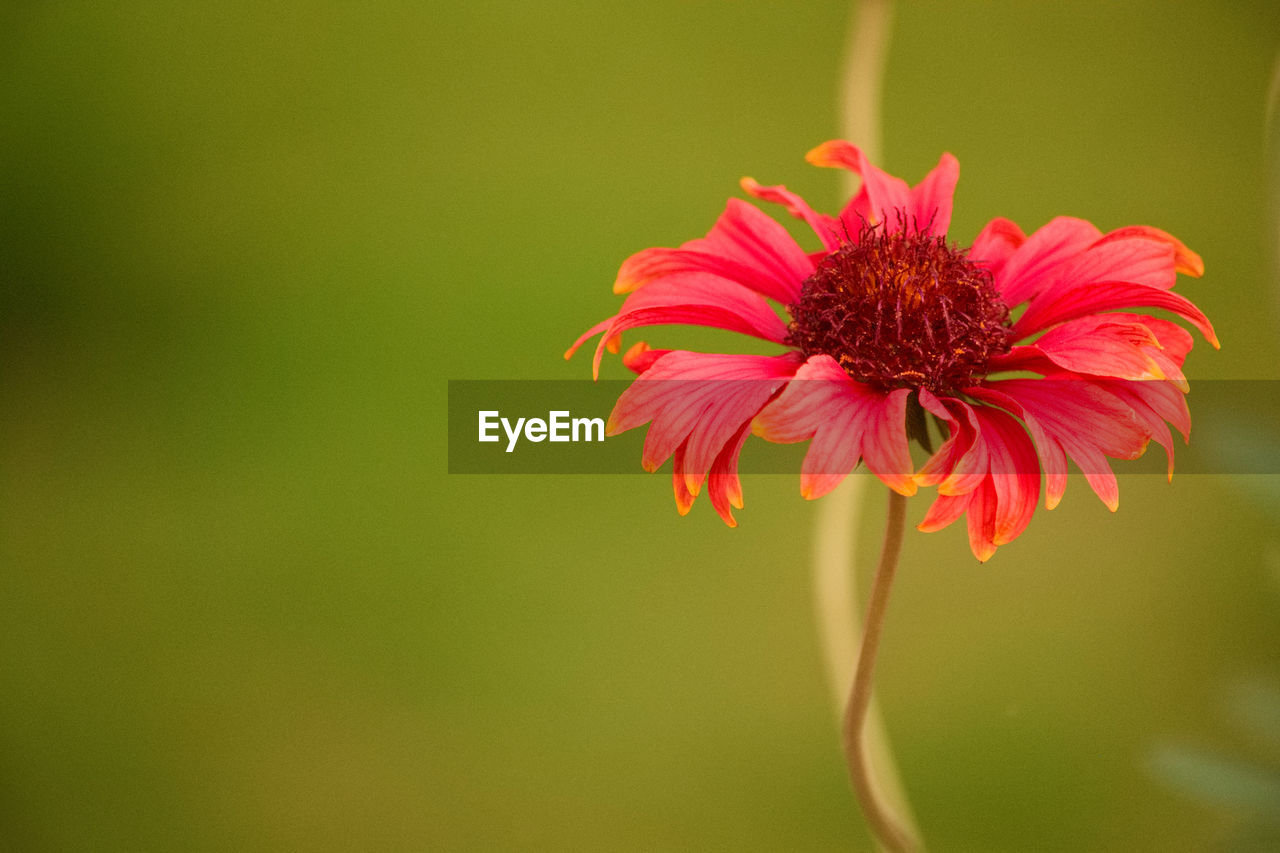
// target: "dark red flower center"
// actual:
[[901, 309]]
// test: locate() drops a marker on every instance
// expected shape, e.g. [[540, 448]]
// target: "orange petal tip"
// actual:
[[629, 279], [1003, 537], [1187, 262], [906, 486], [636, 352], [693, 482], [826, 153], [640, 357]]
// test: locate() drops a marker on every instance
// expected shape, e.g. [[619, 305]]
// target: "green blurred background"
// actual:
[[244, 607]]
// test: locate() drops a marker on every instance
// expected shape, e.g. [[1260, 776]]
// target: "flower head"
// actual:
[[890, 324]]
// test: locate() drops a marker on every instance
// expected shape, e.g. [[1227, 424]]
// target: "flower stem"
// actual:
[[890, 829]]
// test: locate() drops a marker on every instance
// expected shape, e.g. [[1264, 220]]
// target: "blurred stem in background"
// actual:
[[1271, 134], [835, 532]]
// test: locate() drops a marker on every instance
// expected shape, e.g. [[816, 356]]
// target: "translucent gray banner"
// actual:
[[558, 427]]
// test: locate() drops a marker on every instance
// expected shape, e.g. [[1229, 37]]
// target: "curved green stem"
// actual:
[[889, 828]]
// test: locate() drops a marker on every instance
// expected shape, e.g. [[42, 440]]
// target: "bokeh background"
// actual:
[[243, 606]]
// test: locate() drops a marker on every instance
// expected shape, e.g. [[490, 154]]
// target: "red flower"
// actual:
[[889, 322]]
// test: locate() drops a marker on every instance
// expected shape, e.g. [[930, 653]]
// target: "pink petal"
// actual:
[[741, 401], [1026, 272], [1017, 491], [1053, 459], [1175, 341], [1167, 345], [684, 497], [1134, 260], [1021, 358], [881, 194], [641, 357], [987, 468], [1078, 418], [688, 298], [1186, 261], [1103, 345], [943, 512], [744, 246], [1135, 395], [1001, 506], [931, 199], [805, 404], [827, 228], [675, 409], [698, 404], [958, 466], [846, 421], [723, 484], [1165, 400], [885, 448], [603, 325], [1154, 404], [1108, 296], [981, 521], [995, 244]]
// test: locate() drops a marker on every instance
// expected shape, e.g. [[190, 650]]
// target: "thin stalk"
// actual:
[[839, 626], [890, 829]]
